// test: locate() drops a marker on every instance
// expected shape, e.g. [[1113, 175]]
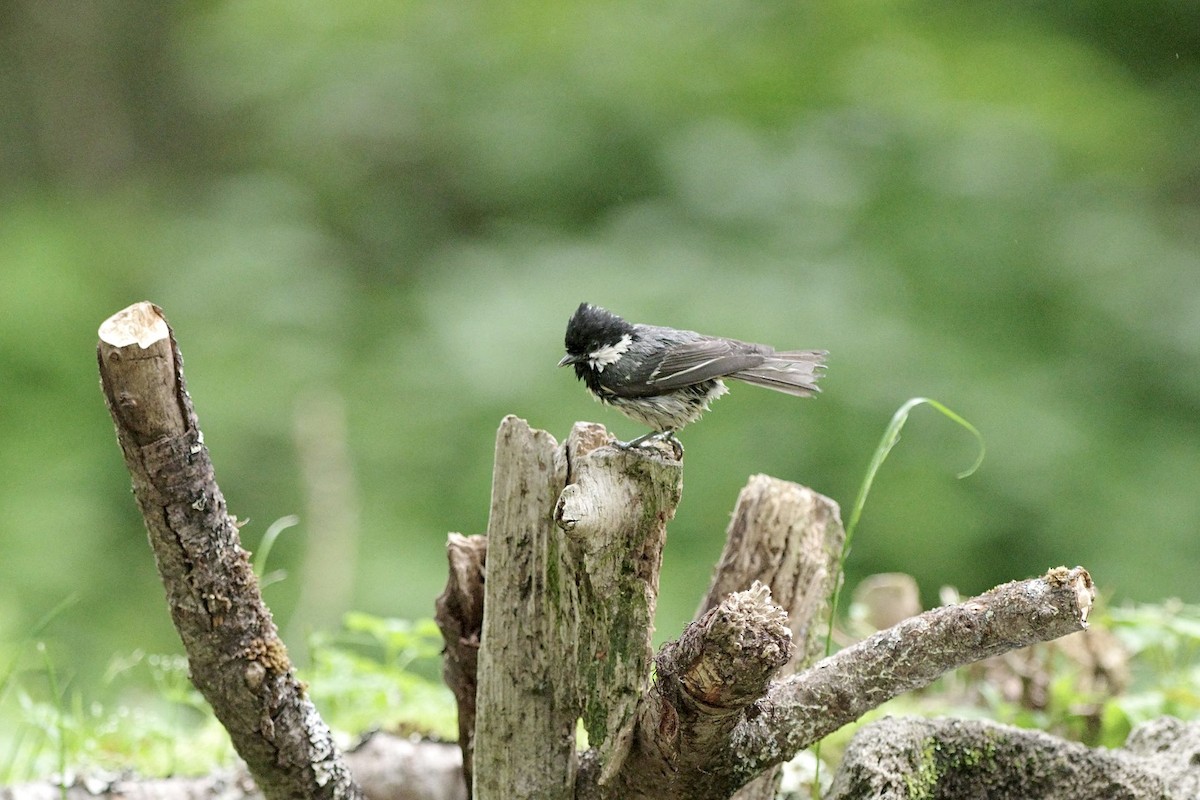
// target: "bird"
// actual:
[[666, 378]]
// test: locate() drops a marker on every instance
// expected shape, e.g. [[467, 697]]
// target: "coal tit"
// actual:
[[665, 378]]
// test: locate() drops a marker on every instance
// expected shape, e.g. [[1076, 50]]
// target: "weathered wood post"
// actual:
[[574, 548]]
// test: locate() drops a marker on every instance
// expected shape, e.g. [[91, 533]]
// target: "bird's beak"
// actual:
[[568, 359]]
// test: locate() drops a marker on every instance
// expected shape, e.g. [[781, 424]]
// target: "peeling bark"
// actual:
[[459, 615]]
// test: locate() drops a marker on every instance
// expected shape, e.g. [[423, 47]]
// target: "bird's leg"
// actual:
[[639, 441], [665, 436]]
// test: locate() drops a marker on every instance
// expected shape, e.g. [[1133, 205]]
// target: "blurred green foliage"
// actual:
[[381, 673], [372, 674], [398, 205]]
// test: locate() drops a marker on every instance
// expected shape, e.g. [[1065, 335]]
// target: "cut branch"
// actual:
[[910, 655], [235, 655]]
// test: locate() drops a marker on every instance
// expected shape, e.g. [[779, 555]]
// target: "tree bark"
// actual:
[[706, 681], [894, 759], [910, 655], [235, 655], [689, 750], [575, 543], [459, 616], [524, 725], [790, 538]]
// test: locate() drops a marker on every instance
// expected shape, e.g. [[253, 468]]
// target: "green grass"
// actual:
[[891, 436], [375, 673]]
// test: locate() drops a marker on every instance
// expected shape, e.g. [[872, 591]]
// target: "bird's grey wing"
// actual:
[[703, 359]]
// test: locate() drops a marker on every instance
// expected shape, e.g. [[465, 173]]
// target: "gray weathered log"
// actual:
[[575, 541], [525, 712], [896, 759], [235, 656]]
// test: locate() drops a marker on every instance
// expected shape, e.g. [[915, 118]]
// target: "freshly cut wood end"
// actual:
[[1078, 579], [141, 324]]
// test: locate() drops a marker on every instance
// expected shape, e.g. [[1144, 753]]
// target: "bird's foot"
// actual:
[[654, 437]]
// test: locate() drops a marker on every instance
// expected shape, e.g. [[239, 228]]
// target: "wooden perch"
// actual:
[[575, 543], [235, 655]]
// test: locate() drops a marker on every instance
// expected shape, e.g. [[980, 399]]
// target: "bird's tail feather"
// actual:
[[795, 372]]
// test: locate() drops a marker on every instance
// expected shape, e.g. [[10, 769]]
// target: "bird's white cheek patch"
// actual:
[[609, 354]]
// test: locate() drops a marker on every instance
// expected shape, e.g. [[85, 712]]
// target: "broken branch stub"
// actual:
[[705, 683], [790, 538], [459, 616]]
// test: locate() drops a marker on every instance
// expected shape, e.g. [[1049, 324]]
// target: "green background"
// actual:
[[386, 212]]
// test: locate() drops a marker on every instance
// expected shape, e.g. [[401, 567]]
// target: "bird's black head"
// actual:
[[593, 332]]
